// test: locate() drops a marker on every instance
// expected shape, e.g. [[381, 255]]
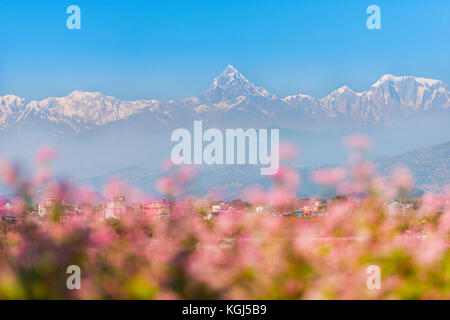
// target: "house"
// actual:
[[5, 212], [317, 209], [115, 208], [262, 210], [155, 208], [66, 208], [220, 208], [5, 206], [401, 206], [216, 208], [45, 207]]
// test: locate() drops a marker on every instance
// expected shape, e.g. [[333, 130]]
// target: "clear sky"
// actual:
[[137, 49]]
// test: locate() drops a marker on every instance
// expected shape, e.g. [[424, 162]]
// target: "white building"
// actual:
[[261, 210], [46, 207], [115, 208], [217, 208]]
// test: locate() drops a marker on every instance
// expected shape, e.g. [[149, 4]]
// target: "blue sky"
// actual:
[[168, 49]]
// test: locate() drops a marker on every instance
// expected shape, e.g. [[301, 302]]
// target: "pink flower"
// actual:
[[381, 186], [227, 223], [57, 191], [8, 173], [168, 164], [44, 174], [18, 206], [148, 199], [45, 154], [3, 207], [280, 197], [167, 186], [272, 225], [329, 177], [101, 237], [402, 178], [444, 222], [358, 142], [351, 187], [432, 202], [86, 195], [134, 194], [115, 188], [255, 195], [186, 174], [288, 151], [363, 170], [287, 178], [431, 250]]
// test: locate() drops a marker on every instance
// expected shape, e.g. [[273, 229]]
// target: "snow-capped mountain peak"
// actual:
[[11, 100], [230, 72], [408, 93], [11, 107], [399, 79], [230, 85], [344, 90]]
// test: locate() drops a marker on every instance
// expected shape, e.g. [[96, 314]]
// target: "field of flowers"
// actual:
[[235, 255]]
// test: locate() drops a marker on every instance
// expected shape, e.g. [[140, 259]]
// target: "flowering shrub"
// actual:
[[236, 255]]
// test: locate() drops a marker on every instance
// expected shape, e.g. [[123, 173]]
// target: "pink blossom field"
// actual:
[[189, 254]]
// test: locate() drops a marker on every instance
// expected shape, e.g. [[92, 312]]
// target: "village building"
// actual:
[[262, 210], [115, 208], [316, 209], [66, 209], [155, 208]]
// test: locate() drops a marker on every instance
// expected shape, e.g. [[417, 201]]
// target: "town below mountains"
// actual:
[[99, 135]]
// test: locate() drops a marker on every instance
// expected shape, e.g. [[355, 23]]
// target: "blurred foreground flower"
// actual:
[[204, 248]]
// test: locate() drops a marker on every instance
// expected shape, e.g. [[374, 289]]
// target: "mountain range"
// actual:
[[232, 97]]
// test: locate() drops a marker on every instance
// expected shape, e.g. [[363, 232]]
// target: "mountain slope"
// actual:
[[430, 166], [11, 107]]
